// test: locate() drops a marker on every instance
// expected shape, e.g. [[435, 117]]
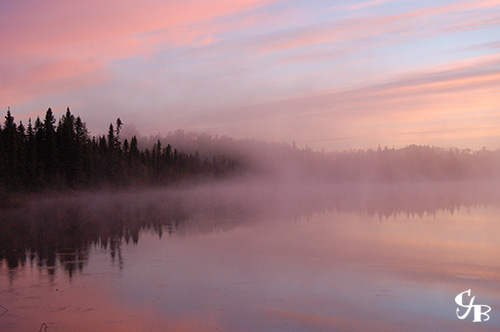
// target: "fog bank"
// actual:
[[289, 163]]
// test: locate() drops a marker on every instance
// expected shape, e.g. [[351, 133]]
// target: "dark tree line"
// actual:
[[50, 155]]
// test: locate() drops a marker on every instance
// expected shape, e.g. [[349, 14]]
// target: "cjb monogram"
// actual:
[[480, 310]]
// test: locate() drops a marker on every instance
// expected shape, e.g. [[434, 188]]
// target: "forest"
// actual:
[[49, 156], [290, 163]]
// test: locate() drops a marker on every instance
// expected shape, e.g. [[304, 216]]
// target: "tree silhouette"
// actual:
[[49, 148], [45, 156]]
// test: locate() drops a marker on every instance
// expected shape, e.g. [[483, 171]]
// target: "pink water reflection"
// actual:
[[328, 271]]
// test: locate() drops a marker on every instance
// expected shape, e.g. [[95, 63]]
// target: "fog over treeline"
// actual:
[[288, 162], [48, 155], [276, 181], [45, 155]]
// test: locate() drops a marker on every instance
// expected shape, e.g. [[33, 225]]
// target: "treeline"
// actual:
[[287, 162], [415, 163], [46, 155]]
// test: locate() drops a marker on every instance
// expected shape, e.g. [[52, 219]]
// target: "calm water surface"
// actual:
[[249, 258]]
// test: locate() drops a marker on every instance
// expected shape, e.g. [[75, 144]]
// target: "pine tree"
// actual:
[[49, 148], [21, 156], [111, 138], [66, 147], [31, 158], [3, 158], [9, 138], [134, 150], [84, 166], [39, 142], [116, 141]]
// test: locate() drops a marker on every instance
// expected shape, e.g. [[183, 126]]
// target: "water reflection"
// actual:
[[61, 231], [253, 258]]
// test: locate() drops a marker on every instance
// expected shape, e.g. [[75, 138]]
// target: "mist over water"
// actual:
[[338, 167], [107, 218], [289, 162], [253, 255]]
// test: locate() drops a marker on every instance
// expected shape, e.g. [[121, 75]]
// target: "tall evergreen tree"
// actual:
[[119, 125], [31, 159], [40, 159], [134, 150], [111, 138], [84, 165], [3, 158], [21, 155], [49, 147], [66, 147], [10, 142]]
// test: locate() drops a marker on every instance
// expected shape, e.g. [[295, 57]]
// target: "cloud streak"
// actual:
[[212, 66], [50, 77], [91, 31], [461, 101]]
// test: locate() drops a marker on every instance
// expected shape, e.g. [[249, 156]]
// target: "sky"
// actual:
[[330, 75]]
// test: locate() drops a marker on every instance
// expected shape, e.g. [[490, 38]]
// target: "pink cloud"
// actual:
[[97, 32], [52, 26], [403, 26], [56, 48], [49, 77], [360, 5], [458, 103]]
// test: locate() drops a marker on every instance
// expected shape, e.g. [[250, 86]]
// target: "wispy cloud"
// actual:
[[392, 28], [463, 98], [359, 5], [95, 31], [49, 77], [263, 68]]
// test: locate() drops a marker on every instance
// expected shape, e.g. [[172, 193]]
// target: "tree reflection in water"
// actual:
[[60, 232]]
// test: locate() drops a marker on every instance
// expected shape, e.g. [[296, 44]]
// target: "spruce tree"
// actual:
[[21, 174], [66, 147], [49, 148], [83, 161], [31, 158], [9, 138], [3, 159]]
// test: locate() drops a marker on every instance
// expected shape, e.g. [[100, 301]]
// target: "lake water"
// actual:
[[253, 258]]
